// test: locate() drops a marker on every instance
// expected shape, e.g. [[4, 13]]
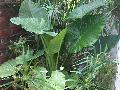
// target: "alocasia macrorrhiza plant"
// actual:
[[81, 26], [34, 18]]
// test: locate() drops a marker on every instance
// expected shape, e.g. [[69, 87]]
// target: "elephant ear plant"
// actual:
[[81, 27]]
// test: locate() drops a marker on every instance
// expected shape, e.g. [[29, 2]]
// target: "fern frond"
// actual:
[[9, 68]]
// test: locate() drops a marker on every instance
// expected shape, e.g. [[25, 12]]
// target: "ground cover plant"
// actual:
[[63, 29]]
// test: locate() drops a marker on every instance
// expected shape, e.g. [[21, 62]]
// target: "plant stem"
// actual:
[[49, 57], [45, 47], [57, 60]]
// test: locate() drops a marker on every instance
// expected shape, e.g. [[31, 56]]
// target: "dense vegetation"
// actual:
[[69, 52]]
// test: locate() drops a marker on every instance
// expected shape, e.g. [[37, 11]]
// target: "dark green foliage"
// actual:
[[78, 25], [82, 10], [87, 31], [107, 41]]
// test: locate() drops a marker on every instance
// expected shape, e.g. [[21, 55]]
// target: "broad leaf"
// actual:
[[55, 44], [25, 10], [82, 10], [40, 72], [30, 9], [33, 18], [40, 79], [33, 25], [42, 82], [57, 80], [88, 31]]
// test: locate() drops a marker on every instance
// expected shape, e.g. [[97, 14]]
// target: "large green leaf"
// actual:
[[10, 67], [33, 18], [25, 10], [85, 32], [33, 25], [42, 82], [57, 80], [30, 9], [55, 44], [40, 79], [82, 10]]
